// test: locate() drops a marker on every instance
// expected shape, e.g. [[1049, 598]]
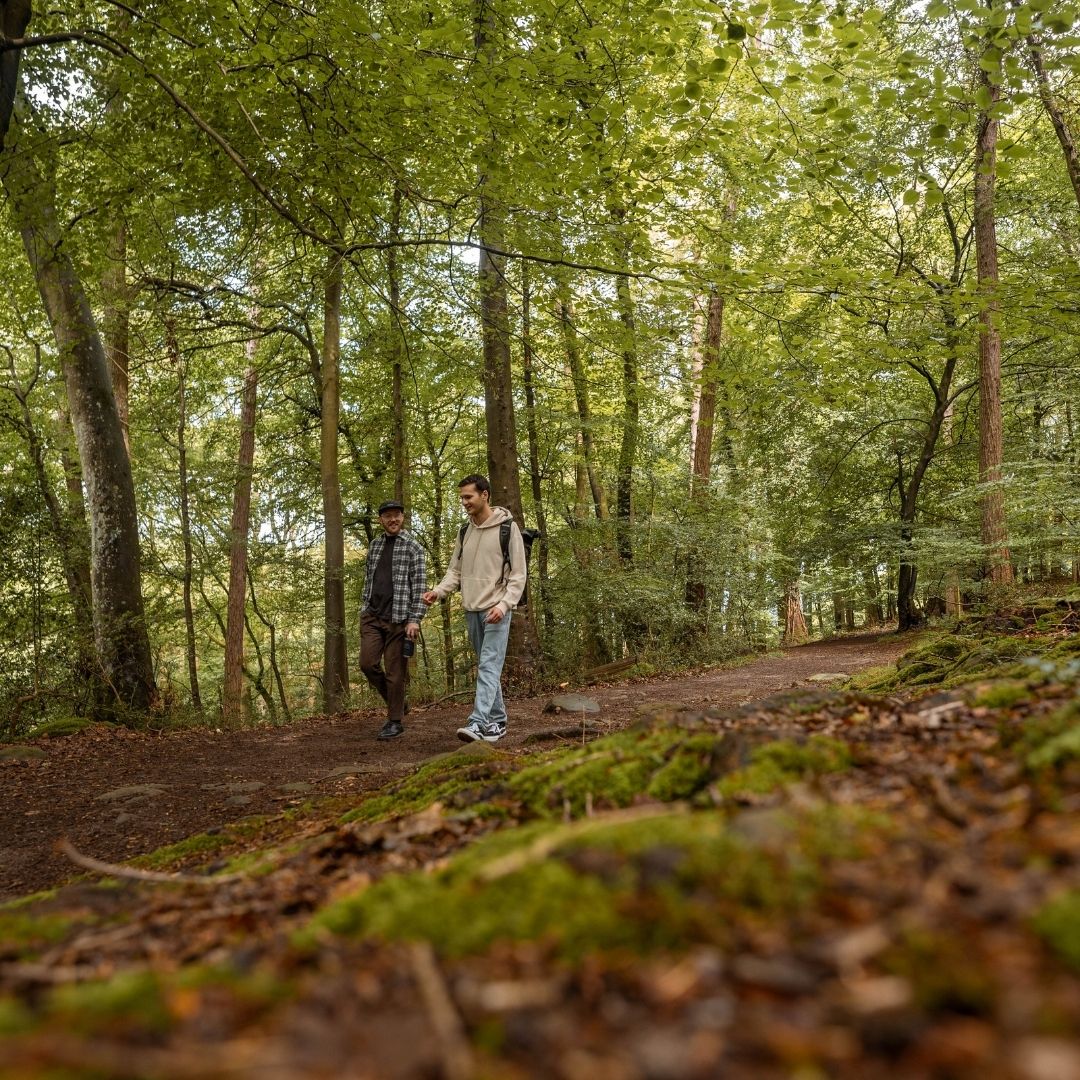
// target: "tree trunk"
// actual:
[[274, 669], [624, 477], [439, 570], [702, 441], [994, 530], [523, 648], [69, 534], [121, 641], [185, 513], [232, 699], [397, 353], [1057, 117], [794, 623], [581, 398], [534, 454], [335, 643], [874, 614]]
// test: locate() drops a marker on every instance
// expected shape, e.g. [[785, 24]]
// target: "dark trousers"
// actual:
[[382, 663]]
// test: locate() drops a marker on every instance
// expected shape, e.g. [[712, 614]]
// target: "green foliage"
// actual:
[[1058, 924], [820, 186]]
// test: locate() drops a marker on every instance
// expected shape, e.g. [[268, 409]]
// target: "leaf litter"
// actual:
[[826, 883]]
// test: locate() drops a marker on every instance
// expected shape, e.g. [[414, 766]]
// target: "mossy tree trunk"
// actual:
[[120, 635]]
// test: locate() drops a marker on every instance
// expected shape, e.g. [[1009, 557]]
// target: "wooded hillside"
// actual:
[[765, 315]]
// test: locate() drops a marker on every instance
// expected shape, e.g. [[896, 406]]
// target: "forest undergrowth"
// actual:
[[876, 880]]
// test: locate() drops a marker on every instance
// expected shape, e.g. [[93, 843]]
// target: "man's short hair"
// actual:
[[479, 482]]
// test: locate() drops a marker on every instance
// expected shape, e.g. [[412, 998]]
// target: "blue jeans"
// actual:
[[489, 643]]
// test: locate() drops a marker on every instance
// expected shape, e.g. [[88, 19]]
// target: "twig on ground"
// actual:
[[454, 1048], [132, 873], [445, 697]]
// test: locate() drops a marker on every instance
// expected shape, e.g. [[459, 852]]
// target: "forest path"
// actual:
[[117, 794]]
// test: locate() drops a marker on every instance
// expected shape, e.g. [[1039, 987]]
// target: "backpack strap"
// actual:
[[461, 541], [504, 543]]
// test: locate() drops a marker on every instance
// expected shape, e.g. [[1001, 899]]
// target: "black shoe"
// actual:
[[392, 729]]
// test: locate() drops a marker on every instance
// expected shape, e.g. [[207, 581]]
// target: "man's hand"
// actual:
[[495, 615], [412, 630], [430, 597]]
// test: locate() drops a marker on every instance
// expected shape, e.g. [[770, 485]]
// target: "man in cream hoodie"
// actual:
[[489, 591]]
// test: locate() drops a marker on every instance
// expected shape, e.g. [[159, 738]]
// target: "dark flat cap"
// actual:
[[390, 504]]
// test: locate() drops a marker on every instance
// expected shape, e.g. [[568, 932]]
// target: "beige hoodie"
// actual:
[[478, 569]]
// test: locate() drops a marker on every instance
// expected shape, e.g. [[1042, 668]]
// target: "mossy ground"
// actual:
[[773, 852]]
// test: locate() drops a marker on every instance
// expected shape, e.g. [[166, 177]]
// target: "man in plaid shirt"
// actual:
[[390, 614]]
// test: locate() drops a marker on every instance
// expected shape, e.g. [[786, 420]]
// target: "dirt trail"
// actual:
[[116, 794]]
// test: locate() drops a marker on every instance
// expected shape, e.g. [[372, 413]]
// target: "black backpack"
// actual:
[[527, 537]]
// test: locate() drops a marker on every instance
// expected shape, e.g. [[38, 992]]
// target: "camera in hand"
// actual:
[[408, 647]]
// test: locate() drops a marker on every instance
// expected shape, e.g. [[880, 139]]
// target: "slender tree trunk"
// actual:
[[121, 641], [274, 669], [701, 463], [397, 352], [232, 699], [994, 530], [440, 569], [581, 398], [185, 512], [624, 475], [874, 615], [335, 647], [534, 453], [702, 436], [69, 536], [1057, 117], [77, 527]]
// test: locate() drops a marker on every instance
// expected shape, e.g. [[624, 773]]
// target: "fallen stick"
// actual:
[[454, 1047], [131, 873]]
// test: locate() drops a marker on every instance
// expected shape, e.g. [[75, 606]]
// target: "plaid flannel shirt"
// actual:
[[408, 573]]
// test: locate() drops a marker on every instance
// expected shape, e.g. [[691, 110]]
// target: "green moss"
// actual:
[[452, 780], [165, 857], [944, 975], [59, 729], [653, 883], [15, 1017], [27, 900], [1003, 694], [1058, 924], [1054, 740], [25, 934], [253, 988], [875, 680], [131, 999]]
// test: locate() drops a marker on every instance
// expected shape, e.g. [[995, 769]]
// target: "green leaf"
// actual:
[[911, 196], [736, 31]]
